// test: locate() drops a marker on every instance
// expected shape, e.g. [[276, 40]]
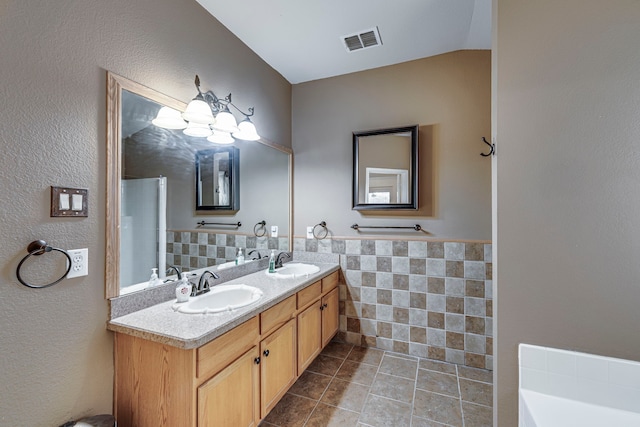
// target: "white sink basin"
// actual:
[[220, 298], [293, 270]]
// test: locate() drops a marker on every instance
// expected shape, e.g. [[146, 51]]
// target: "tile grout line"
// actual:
[[325, 390], [460, 394], [415, 387], [371, 386]]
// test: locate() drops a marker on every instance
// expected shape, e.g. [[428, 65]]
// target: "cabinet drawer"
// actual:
[[309, 293], [330, 282], [217, 354], [277, 315]]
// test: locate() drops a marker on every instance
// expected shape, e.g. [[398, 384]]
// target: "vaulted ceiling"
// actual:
[[304, 40]]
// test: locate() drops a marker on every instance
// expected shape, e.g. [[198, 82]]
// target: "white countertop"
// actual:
[[162, 324]]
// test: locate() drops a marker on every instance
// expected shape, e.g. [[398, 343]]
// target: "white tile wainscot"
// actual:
[[568, 388]]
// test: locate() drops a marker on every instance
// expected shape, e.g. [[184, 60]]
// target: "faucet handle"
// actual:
[[256, 251]]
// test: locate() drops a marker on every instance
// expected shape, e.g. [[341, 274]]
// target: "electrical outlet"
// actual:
[[309, 232], [79, 262], [274, 231]]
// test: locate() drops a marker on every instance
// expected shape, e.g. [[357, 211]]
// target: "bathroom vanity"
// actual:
[[223, 369]]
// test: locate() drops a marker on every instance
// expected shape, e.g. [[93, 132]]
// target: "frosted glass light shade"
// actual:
[[169, 118], [198, 111], [198, 130], [246, 131], [218, 137], [225, 122]]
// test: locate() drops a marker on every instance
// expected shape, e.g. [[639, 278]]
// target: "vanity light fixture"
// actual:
[[169, 118], [209, 117]]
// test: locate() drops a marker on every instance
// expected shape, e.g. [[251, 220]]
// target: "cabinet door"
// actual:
[[330, 323], [230, 398], [277, 365], [309, 336]]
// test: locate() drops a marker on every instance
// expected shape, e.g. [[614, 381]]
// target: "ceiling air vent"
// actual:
[[362, 40]]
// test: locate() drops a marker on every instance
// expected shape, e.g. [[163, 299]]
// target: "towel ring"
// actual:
[[36, 248], [258, 226], [324, 226]]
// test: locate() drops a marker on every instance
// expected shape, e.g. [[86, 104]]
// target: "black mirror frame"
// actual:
[[413, 191], [234, 179]]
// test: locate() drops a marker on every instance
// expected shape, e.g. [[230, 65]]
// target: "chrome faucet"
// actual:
[[279, 258], [176, 269], [203, 284]]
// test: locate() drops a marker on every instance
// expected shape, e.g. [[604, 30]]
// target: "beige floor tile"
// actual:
[[476, 392], [325, 365], [477, 415], [370, 356], [399, 367], [392, 387], [434, 365], [291, 411], [438, 382], [382, 412], [346, 395], [369, 387], [357, 372], [337, 349], [421, 422], [475, 374], [330, 416], [437, 407], [310, 385]]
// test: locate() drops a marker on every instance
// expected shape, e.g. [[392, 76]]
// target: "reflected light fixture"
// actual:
[[169, 118], [209, 117]]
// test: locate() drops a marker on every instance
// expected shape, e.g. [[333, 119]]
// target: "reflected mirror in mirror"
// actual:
[[217, 183], [385, 169], [152, 219]]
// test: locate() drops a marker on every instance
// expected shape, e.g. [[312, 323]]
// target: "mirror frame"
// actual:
[[115, 85], [234, 179], [413, 181]]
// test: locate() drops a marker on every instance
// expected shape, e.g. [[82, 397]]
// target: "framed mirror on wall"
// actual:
[[217, 179], [385, 172], [152, 191]]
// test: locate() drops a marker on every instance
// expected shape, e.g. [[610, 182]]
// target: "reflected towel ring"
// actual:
[[258, 226], [39, 247], [324, 226]]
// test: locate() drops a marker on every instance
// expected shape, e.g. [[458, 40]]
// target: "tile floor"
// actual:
[[355, 386]]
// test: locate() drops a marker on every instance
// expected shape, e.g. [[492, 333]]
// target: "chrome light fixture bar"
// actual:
[[208, 116]]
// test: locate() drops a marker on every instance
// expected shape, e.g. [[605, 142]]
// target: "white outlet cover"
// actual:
[[309, 232], [274, 231], [79, 262]]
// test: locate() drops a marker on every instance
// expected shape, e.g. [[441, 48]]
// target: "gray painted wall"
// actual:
[[55, 353], [449, 96], [568, 181]]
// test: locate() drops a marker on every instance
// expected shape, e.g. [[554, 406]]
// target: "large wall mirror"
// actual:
[[385, 174], [153, 182]]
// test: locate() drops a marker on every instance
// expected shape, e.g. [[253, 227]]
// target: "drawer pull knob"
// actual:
[[266, 353], [256, 360]]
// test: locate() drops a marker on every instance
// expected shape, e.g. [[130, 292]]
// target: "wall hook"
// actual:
[[492, 148]]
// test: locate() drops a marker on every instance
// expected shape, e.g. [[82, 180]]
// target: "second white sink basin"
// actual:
[[292, 270], [220, 298]]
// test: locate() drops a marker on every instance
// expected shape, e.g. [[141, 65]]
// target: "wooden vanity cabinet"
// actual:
[[330, 323], [234, 380], [230, 398], [309, 328], [277, 365], [318, 322]]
